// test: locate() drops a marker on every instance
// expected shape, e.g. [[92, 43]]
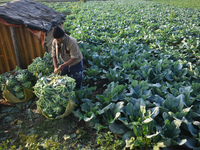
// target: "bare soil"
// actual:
[[22, 122]]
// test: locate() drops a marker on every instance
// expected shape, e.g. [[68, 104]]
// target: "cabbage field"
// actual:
[[141, 72]]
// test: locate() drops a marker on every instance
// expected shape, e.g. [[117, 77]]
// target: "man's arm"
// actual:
[[55, 65], [69, 62], [55, 62]]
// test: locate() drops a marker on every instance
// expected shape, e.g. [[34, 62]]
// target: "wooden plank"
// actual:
[[16, 46]]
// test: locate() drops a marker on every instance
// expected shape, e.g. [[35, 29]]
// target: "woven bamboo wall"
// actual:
[[29, 48]]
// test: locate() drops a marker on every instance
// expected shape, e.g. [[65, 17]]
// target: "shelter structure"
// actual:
[[25, 32]]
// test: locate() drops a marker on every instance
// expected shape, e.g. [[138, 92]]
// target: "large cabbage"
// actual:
[[54, 93]]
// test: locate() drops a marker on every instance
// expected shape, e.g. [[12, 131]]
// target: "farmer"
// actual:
[[66, 47]]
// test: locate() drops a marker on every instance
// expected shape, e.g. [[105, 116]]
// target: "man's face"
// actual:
[[59, 40]]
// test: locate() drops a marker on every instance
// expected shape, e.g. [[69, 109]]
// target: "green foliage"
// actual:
[[42, 66], [148, 68], [108, 141], [6, 145], [85, 92], [31, 142], [179, 3], [15, 80], [142, 71], [114, 92]]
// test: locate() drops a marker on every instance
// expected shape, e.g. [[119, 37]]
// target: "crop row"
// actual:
[[142, 58]]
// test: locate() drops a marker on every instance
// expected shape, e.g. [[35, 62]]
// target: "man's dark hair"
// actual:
[[57, 32]]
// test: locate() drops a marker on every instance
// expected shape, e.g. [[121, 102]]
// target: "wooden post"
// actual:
[[16, 47]]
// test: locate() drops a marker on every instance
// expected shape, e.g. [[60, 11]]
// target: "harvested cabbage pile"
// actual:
[[15, 80], [42, 66], [54, 93], [3, 78]]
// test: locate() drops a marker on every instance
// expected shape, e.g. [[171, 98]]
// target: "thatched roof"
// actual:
[[32, 14]]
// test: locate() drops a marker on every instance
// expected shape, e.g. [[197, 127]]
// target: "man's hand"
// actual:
[[60, 68], [56, 70]]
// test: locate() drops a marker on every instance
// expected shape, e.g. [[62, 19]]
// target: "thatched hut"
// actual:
[[25, 32]]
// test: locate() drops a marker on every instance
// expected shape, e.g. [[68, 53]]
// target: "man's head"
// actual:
[[57, 33]]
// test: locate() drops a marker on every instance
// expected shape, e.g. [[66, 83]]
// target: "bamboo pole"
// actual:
[[16, 47]]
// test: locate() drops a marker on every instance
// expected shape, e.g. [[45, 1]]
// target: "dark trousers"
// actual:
[[75, 72]]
